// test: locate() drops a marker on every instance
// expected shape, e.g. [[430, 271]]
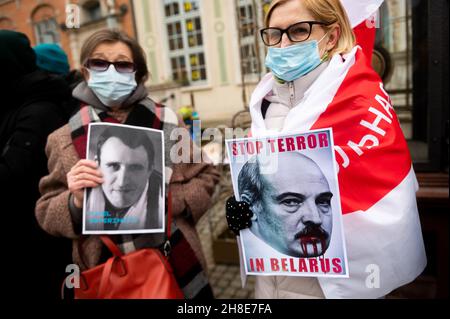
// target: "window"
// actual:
[[46, 31], [179, 71], [395, 36], [175, 36], [185, 41], [198, 70], [92, 11], [412, 41], [248, 32], [251, 15], [6, 23]]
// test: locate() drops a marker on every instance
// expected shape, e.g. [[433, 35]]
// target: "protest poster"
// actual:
[[290, 183], [131, 198]]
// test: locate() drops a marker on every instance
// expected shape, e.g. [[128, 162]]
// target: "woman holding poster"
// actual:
[[113, 91], [321, 79]]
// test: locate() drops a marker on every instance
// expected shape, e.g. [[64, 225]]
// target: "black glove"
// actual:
[[238, 215]]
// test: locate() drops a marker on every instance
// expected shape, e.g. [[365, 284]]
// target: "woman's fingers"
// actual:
[[74, 178], [84, 174], [87, 163], [81, 185], [88, 177], [86, 170]]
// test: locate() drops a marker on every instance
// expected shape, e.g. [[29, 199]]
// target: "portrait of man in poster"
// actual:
[[131, 197], [291, 206]]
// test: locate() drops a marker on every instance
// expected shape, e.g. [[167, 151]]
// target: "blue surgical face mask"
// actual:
[[111, 87], [295, 61]]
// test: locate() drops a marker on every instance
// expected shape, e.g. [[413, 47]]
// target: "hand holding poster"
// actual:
[[131, 198], [290, 183]]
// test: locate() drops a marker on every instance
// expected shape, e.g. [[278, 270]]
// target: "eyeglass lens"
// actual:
[[102, 65], [297, 33]]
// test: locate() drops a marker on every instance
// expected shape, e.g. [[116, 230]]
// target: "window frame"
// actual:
[[182, 17], [428, 27], [249, 40], [437, 98], [92, 11], [253, 41], [46, 22]]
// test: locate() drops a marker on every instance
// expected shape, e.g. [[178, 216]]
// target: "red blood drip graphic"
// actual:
[[314, 243], [305, 240], [304, 244], [323, 242]]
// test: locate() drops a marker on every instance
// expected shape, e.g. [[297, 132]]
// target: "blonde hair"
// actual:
[[327, 11]]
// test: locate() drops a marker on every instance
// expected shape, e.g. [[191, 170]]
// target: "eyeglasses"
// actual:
[[103, 65], [297, 32]]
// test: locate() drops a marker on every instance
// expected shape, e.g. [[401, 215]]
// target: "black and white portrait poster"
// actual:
[[131, 198], [290, 183]]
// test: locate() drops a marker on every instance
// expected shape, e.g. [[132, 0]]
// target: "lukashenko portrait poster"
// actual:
[[290, 182]]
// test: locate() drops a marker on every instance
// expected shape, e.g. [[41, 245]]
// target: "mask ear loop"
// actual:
[[326, 55]]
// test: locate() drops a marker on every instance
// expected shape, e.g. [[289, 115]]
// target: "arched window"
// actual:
[[92, 11], [45, 27], [6, 24]]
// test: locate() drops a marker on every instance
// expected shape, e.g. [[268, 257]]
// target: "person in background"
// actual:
[[30, 109], [51, 58]]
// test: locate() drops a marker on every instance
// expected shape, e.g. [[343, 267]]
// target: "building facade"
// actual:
[[67, 23], [204, 54]]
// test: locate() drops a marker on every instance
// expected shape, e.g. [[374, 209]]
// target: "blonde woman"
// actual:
[[320, 78]]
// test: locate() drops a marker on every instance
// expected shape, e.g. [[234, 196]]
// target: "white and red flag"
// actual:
[[364, 20], [377, 182]]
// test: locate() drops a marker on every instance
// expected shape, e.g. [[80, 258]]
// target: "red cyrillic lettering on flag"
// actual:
[[372, 170]]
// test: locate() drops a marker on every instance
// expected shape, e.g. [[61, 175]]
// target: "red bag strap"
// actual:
[[111, 246], [118, 253], [105, 276]]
